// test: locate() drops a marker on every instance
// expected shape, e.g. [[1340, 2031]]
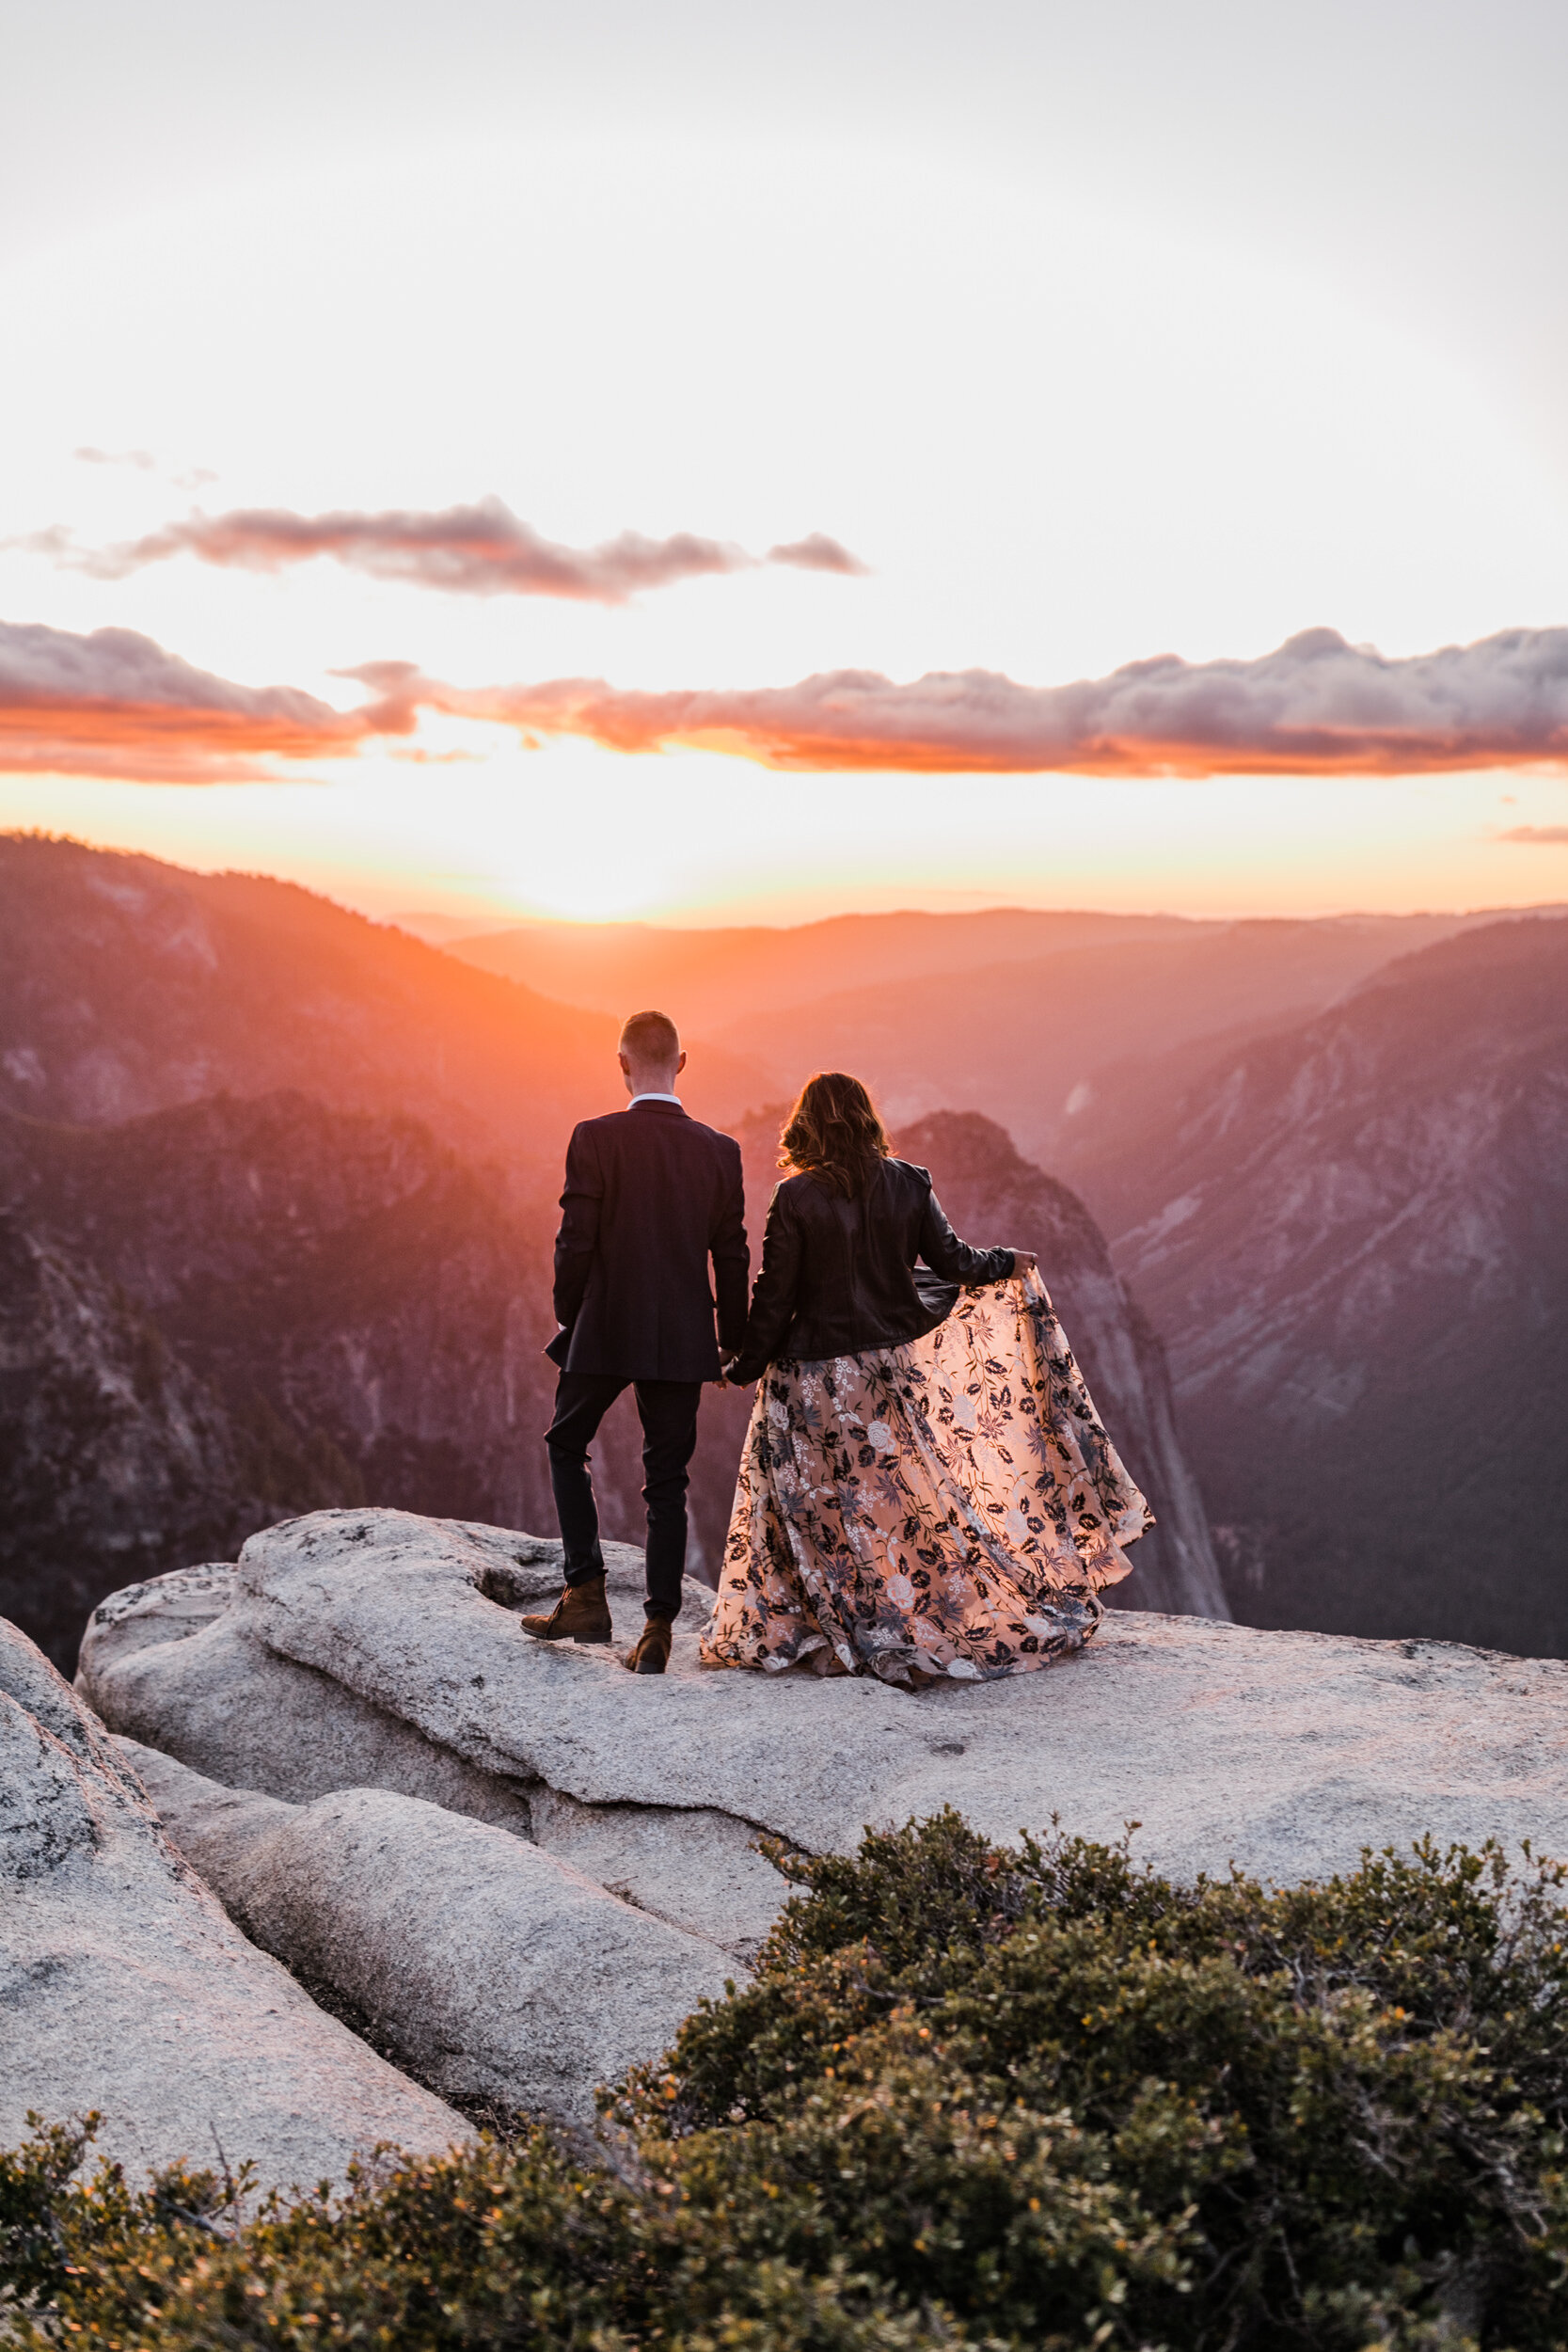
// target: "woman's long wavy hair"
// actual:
[[834, 1133]]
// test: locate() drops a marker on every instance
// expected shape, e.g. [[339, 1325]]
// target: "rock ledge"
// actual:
[[377, 1649]]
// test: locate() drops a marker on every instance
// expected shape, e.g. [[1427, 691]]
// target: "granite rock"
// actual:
[[489, 1967], [178, 1669], [178, 1663], [124, 1986], [1285, 1753]]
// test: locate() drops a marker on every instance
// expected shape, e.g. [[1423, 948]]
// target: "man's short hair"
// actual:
[[650, 1037]]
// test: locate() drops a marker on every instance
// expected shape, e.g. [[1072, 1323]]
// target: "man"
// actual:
[[651, 1195]]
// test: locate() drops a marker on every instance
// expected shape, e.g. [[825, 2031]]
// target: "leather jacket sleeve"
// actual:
[[773, 1300], [579, 1237], [953, 1259]]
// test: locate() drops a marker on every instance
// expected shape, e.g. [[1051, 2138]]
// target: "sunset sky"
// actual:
[[595, 421]]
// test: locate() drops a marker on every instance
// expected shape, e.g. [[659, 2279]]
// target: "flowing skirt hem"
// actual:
[[944, 1511]]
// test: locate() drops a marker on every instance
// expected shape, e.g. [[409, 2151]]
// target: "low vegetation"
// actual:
[[974, 2096]]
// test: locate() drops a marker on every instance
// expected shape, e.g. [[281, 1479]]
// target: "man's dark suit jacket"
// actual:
[[651, 1195]]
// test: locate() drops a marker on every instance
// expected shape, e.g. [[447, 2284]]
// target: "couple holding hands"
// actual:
[[925, 1491]]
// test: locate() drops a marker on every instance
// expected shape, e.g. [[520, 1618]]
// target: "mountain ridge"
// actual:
[[130, 985], [1014, 1014], [1354, 1238]]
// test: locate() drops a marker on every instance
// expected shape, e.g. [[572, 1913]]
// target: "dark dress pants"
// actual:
[[667, 1411]]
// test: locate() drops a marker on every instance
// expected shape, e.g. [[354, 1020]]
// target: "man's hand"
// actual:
[[1025, 1262], [723, 1379]]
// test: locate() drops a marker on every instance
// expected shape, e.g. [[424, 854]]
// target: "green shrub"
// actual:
[[973, 2096]]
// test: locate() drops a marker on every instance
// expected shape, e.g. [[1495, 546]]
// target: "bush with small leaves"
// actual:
[[972, 2097]]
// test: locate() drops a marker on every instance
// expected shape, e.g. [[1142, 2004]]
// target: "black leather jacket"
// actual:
[[838, 1276]]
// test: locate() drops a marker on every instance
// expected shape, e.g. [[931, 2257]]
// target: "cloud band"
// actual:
[[116, 704], [479, 550], [1316, 706]]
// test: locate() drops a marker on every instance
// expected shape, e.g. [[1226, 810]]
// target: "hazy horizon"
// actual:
[[461, 920]]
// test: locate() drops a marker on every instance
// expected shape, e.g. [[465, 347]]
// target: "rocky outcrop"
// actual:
[[125, 1988], [182, 1664], [1284, 1752], [230, 1708], [1354, 1237], [488, 1966]]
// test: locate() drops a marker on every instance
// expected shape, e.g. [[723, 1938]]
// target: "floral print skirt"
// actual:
[[950, 1507]]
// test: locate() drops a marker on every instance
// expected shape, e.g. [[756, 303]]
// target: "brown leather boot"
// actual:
[[651, 1654], [581, 1615]]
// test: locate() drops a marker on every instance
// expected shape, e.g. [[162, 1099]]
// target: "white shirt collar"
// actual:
[[651, 1098]]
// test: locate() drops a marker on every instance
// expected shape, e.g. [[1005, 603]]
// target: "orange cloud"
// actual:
[[479, 550], [818, 552], [1316, 706], [115, 704]]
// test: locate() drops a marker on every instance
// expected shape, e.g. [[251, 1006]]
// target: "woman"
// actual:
[[925, 1489]]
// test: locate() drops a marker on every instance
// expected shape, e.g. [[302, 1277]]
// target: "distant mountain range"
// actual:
[[1016, 1014], [1353, 1239]]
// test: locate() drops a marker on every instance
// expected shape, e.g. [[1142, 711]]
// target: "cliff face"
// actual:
[[1355, 1239], [347, 1269], [248, 1310], [115, 1461]]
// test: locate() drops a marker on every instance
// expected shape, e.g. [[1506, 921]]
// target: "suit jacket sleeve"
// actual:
[[732, 1261], [578, 1238], [953, 1259], [773, 1299]]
